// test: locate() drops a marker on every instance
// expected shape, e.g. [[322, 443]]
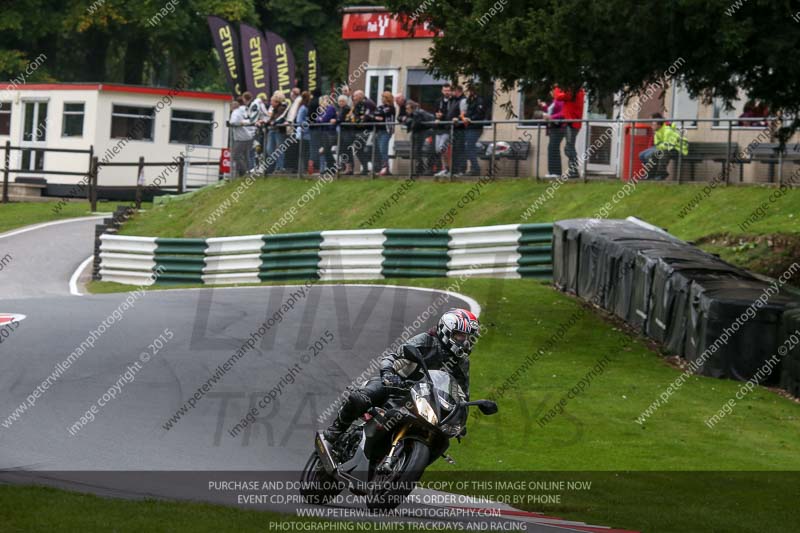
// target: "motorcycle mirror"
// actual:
[[487, 407], [411, 352]]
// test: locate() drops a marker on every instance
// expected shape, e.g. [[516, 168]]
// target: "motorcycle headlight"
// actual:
[[425, 410], [452, 430]]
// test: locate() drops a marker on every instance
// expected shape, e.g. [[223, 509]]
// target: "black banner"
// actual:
[[282, 65], [227, 42], [255, 56], [311, 64]]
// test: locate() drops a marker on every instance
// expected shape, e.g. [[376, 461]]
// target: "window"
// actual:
[[684, 107], [131, 122], [486, 91], [5, 118], [741, 108], [529, 105], [424, 88], [73, 120], [191, 127]]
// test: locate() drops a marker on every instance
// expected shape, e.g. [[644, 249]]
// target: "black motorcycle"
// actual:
[[383, 454]]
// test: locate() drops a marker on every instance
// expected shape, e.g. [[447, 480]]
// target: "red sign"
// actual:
[[225, 161], [382, 25]]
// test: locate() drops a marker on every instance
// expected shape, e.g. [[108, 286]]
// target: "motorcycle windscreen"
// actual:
[[447, 390]]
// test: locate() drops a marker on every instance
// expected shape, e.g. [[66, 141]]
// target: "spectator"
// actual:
[[754, 109], [327, 130], [443, 131], [667, 140], [315, 109], [456, 108], [417, 124], [400, 100], [573, 110], [292, 155], [555, 131], [301, 130], [276, 135], [385, 113], [243, 133], [258, 113], [476, 112], [343, 120], [346, 92], [363, 112]]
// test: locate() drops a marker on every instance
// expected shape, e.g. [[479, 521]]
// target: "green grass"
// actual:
[[15, 215], [671, 474], [347, 204], [729, 478], [35, 509]]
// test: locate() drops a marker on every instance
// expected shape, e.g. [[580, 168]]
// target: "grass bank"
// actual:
[[350, 204]]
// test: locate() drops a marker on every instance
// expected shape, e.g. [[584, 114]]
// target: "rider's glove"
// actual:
[[391, 379]]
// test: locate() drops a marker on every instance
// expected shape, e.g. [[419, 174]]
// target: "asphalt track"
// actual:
[[126, 450]]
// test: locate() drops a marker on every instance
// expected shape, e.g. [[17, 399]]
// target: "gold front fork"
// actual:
[[389, 460]]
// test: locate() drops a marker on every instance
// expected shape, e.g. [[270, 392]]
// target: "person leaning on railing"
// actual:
[[667, 141], [363, 113], [573, 110], [302, 133], [277, 131], [384, 113], [243, 133], [327, 132], [476, 112], [345, 119], [418, 124]]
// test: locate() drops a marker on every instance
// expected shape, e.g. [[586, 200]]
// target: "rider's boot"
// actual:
[[336, 429]]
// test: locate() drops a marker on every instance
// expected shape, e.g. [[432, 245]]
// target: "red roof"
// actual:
[[118, 88]]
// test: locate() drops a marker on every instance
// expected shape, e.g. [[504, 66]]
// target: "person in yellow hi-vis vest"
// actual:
[[668, 140]]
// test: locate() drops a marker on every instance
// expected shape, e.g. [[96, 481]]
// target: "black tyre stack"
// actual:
[[109, 225]]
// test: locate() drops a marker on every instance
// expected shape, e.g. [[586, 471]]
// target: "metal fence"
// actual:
[[740, 150]]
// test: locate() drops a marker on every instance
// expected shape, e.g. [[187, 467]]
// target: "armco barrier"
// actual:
[[513, 251]]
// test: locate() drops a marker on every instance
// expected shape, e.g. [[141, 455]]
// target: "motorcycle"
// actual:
[[383, 454]]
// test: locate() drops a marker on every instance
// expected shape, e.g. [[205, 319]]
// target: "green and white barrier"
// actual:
[[512, 251]]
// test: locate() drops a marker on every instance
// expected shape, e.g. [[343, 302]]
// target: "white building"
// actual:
[[120, 123]]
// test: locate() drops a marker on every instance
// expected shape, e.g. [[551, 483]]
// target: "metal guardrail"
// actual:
[[718, 147], [505, 251], [200, 163]]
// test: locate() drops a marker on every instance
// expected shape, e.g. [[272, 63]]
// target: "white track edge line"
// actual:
[[47, 224], [73, 280]]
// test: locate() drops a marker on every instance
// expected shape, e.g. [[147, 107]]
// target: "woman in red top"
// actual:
[[573, 109]]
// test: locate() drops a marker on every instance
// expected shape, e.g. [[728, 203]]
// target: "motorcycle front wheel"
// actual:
[[390, 490], [317, 487]]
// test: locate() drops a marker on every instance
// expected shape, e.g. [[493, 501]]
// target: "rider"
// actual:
[[446, 347]]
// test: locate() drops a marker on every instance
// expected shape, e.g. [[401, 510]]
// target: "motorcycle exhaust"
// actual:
[[325, 454]]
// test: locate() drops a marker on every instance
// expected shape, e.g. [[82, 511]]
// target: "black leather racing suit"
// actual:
[[373, 393]]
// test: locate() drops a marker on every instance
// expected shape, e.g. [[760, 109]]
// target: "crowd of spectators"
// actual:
[[319, 131]]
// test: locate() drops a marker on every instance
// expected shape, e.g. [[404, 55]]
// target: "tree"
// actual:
[[619, 46], [153, 42]]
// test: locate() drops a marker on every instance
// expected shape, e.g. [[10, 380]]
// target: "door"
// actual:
[[604, 159], [379, 80], [34, 135]]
